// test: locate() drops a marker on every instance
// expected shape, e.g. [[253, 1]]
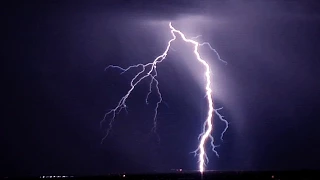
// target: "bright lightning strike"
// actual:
[[149, 70]]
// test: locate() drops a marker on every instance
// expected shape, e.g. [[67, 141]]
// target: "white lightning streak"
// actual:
[[150, 70]]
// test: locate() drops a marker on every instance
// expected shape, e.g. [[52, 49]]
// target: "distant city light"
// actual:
[[54, 177]]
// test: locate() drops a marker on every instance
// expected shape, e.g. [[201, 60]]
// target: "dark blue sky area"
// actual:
[[56, 90]]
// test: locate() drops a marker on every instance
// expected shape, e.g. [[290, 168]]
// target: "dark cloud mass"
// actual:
[[56, 89]]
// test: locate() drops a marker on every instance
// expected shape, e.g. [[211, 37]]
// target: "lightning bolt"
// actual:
[[149, 70]]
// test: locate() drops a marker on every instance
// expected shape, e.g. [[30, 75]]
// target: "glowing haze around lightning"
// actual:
[[149, 70]]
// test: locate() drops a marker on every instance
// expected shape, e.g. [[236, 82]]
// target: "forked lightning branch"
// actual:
[[149, 71]]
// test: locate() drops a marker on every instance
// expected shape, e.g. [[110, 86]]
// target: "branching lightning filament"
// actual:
[[149, 71]]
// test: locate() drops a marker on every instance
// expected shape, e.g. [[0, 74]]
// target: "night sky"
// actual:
[[56, 90]]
